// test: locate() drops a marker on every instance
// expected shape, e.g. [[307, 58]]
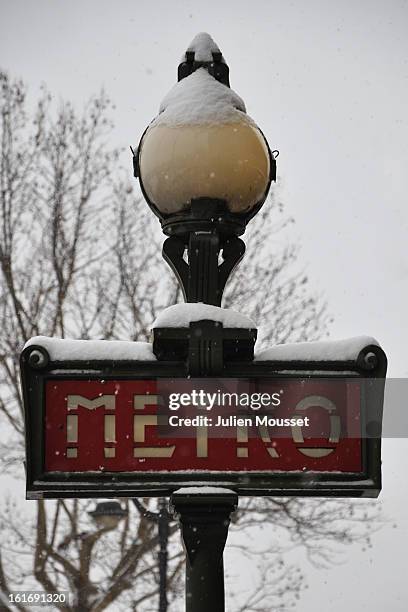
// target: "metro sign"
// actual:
[[113, 426], [103, 430]]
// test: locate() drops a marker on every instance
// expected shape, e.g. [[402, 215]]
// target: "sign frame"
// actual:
[[37, 368]]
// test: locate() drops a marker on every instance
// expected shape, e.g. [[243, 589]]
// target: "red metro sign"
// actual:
[[133, 428], [115, 426]]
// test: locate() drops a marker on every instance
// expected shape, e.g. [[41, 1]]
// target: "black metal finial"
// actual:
[[214, 64]]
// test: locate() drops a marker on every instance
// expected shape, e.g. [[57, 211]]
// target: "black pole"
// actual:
[[204, 520], [203, 251], [163, 520]]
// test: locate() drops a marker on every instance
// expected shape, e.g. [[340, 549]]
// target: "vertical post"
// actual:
[[163, 524], [203, 250], [204, 520]]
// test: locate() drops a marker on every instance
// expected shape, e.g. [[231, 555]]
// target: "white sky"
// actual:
[[327, 83]]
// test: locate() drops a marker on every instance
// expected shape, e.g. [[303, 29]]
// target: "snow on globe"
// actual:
[[203, 144]]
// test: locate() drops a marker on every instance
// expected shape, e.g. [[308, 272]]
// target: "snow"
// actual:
[[203, 491], [81, 350], [199, 99], [203, 45], [181, 315], [328, 350]]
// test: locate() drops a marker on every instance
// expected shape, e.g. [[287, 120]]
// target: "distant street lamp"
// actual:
[[107, 515]]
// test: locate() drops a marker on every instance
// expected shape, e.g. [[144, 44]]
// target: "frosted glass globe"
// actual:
[[227, 161]]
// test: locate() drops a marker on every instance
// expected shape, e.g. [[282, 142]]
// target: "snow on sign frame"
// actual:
[[98, 423]]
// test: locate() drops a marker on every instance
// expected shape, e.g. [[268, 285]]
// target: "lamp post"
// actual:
[[161, 518], [205, 170]]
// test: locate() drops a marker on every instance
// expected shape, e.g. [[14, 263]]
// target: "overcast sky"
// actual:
[[327, 83]]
